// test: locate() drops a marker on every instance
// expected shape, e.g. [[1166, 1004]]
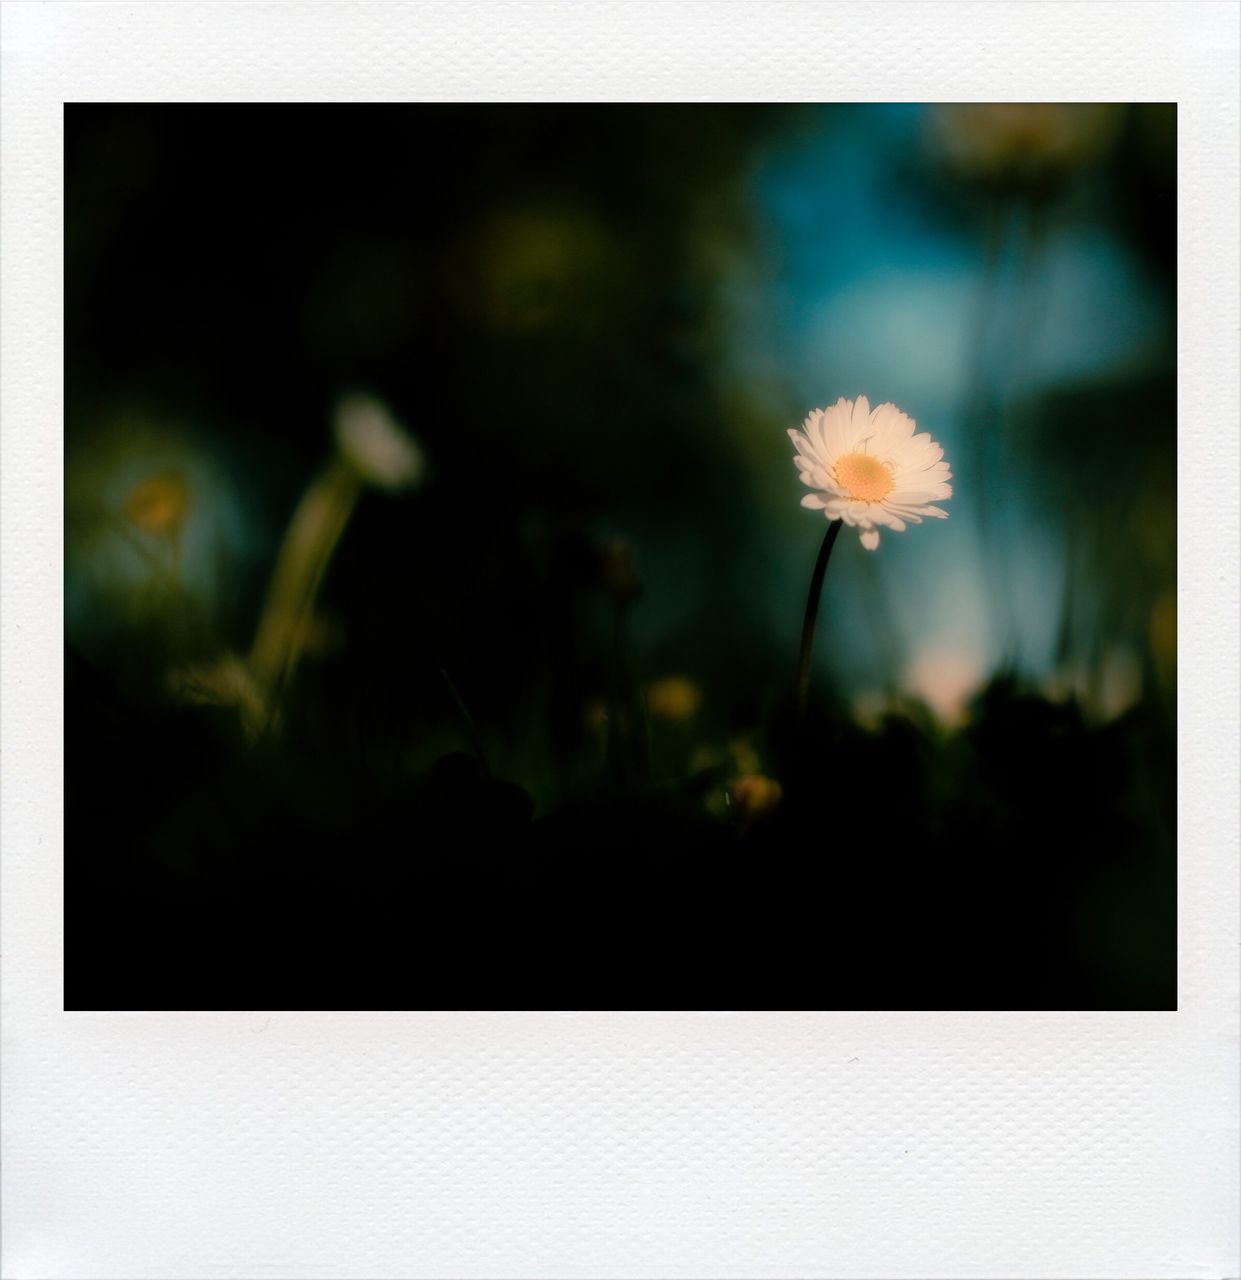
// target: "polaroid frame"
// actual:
[[616, 1143]]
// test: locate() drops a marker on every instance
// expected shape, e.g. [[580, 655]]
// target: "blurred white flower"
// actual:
[[869, 469], [375, 445]]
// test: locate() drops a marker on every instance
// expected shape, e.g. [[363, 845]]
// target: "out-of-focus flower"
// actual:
[[158, 505], [154, 533], [374, 444], [674, 698], [371, 449], [1023, 141], [754, 796], [869, 469]]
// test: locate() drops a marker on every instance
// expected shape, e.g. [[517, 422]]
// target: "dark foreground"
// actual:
[[1027, 861]]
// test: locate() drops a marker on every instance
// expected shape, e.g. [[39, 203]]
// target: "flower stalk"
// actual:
[[812, 614], [371, 449], [313, 533]]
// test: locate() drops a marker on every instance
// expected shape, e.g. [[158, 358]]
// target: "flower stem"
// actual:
[[313, 533], [812, 613]]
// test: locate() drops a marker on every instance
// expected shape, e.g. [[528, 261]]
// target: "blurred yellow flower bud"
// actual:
[[754, 796], [673, 698], [159, 504]]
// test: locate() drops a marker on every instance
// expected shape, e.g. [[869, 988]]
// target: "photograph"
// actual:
[[558, 552]]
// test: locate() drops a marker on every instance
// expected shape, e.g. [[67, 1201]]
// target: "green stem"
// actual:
[[812, 613]]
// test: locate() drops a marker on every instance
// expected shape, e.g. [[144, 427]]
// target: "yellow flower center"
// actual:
[[865, 478], [159, 505]]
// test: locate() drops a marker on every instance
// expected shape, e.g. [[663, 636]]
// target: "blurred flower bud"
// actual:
[[755, 796], [673, 698], [155, 532], [159, 504], [374, 444]]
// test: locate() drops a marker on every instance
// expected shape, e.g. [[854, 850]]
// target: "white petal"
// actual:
[[815, 501], [813, 427], [892, 428], [803, 446], [917, 453], [905, 513], [882, 514], [915, 495], [870, 539], [835, 429]]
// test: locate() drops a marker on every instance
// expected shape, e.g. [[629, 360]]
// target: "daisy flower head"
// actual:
[[869, 468], [375, 445]]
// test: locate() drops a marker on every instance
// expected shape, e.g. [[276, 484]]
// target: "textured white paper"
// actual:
[[706, 1144]]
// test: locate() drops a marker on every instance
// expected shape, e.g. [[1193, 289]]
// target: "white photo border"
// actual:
[[613, 1143]]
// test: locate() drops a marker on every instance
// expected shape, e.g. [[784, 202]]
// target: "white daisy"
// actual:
[[375, 445], [869, 469]]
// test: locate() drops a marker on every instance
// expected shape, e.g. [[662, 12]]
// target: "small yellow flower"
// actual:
[[159, 504], [674, 698], [754, 796]]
